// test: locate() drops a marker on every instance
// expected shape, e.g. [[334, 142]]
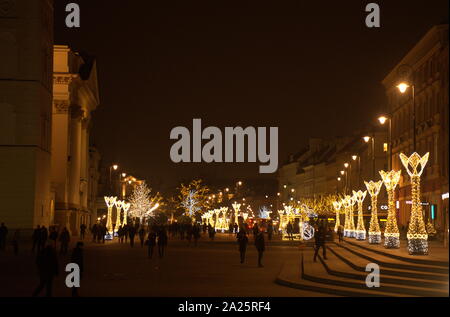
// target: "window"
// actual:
[[385, 147]]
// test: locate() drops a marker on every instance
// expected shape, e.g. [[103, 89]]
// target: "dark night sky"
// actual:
[[312, 68]]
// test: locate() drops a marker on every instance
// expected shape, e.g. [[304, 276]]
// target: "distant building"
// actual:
[[316, 169], [429, 62]]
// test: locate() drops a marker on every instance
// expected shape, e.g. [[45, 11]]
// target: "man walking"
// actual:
[[162, 242], [151, 242], [47, 264], [320, 238], [82, 231], [242, 241], [260, 246], [64, 238]]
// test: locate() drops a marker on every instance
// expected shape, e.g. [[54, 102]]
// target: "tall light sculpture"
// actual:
[[374, 229], [110, 202], [360, 232], [236, 208], [391, 233], [119, 206], [216, 212], [125, 207], [349, 229], [417, 234], [337, 207]]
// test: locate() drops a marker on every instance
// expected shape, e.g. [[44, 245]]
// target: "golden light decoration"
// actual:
[[236, 208], [360, 232], [349, 226], [417, 234], [391, 233], [119, 205], [374, 229], [110, 202], [125, 207], [337, 205]]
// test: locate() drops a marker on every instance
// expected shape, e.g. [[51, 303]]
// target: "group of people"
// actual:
[[259, 241]]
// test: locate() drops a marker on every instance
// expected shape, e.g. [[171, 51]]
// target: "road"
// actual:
[[112, 269]]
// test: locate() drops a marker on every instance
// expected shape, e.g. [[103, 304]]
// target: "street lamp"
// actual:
[[112, 167], [346, 165], [405, 72], [354, 158], [367, 139], [383, 120]]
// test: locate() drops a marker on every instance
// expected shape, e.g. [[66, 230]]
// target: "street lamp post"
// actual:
[[354, 158], [367, 139], [383, 120], [112, 167], [406, 73]]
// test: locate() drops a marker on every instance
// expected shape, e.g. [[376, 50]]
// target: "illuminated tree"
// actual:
[[360, 232], [417, 234], [374, 229], [391, 233], [349, 226], [337, 207], [194, 198], [143, 203]]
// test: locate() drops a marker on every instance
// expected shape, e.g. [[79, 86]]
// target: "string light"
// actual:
[[119, 205], [417, 234], [374, 229], [349, 227], [391, 233], [360, 232], [337, 207], [126, 207], [110, 201]]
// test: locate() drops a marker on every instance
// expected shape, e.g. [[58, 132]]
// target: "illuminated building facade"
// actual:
[[428, 60]]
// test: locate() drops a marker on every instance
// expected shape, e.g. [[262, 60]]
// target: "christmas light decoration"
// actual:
[[264, 212], [430, 229], [337, 207], [417, 234], [110, 201], [374, 229], [119, 205], [360, 232], [125, 207], [391, 233], [236, 208], [349, 226], [142, 203]]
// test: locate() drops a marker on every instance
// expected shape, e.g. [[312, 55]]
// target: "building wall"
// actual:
[[26, 39], [429, 64]]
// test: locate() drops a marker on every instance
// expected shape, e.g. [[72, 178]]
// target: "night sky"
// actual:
[[312, 68]]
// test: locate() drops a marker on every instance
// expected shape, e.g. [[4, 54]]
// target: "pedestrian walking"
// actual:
[[162, 242], [320, 238], [82, 231], [15, 241], [77, 258], [243, 242], [290, 231], [196, 234], [142, 236], [53, 236], [269, 231], [44, 236], [47, 264], [340, 233], [151, 240], [132, 233], [64, 238], [36, 237], [3, 236], [260, 246]]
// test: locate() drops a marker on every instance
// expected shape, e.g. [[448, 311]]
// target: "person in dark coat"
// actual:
[[151, 243], [290, 231], [269, 231], [103, 232], [320, 238], [260, 246], [242, 241], [142, 236], [3, 236], [47, 264], [64, 238], [36, 237], [94, 229], [255, 230], [15, 241], [340, 233], [132, 233], [236, 228], [196, 233], [162, 242], [82, 231], [205, 227], [53, 236], [44, 236], [77, 257]]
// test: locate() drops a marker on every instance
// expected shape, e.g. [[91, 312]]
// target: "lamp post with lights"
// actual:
[[383, 120], [367, 139], [405, 72]]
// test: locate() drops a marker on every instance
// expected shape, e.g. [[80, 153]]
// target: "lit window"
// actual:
[[385, 147]]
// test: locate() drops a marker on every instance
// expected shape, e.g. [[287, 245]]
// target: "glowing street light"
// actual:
[[342, 172], [346, 165], [366, 139], [382, 119], [402, 87], [354, 157]]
